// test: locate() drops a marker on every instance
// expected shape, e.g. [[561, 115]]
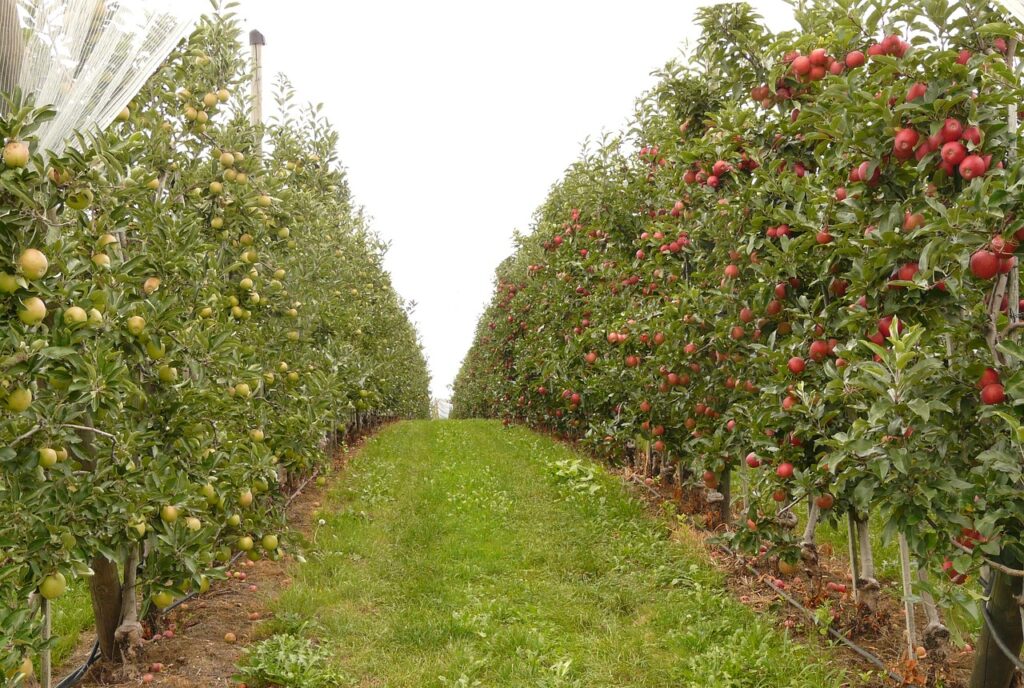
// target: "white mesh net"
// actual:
[[1016, 8], [87, 58]]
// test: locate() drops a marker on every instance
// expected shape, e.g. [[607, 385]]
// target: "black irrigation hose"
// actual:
[[78, 674], [865, 654], [1000, 643]]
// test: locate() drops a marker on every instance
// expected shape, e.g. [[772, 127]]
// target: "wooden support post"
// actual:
[[908, 596], [725, 487], [45, 661], [851, 539], [256, 43]]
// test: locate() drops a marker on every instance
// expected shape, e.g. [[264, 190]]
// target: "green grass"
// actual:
[[459, 553], [72, 614]]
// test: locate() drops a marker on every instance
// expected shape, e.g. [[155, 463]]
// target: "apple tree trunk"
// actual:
[[992, 668], [105, 588]]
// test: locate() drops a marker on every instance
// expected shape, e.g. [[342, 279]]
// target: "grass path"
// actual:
[[460, 553]]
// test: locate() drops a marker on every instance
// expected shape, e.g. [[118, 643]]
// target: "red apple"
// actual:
[[801, 66], [993, 394], [952, 129], [972, 166], [989, 376], [954, 575], [818, 350], [984, 264], [916, 91], [904, 143], [953, 152]]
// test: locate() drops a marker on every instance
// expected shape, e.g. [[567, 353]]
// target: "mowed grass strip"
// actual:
[[461, 553]]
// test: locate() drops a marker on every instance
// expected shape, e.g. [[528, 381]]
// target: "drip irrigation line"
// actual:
[[300, 488], [78, 674], [865, 654], [874, 659]]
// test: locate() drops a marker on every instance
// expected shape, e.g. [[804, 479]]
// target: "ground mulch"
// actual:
[[191, 649]]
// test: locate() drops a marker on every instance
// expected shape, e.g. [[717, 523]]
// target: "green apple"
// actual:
[[155, 351], [33, 264], [75, 315], [33, 311], [80, 199], [8, 283], [163, 599], [167, 374], [19, 400], [15, 154], [47, 457], [53, 586], [136, 325]]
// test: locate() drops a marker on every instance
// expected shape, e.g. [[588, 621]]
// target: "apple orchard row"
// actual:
[[189, 317], [795, 279]]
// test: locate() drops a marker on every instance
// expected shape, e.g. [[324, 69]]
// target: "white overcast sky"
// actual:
[[457, 117]]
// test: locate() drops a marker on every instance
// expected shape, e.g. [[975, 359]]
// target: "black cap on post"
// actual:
[[256, 38]]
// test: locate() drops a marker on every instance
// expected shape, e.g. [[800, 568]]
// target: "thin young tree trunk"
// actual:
[[851, 539], [868, 584], [935, 633], [128, 635], [808, 544]]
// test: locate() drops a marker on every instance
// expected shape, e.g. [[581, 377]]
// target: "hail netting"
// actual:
[[86, 58], [1016, 7]]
